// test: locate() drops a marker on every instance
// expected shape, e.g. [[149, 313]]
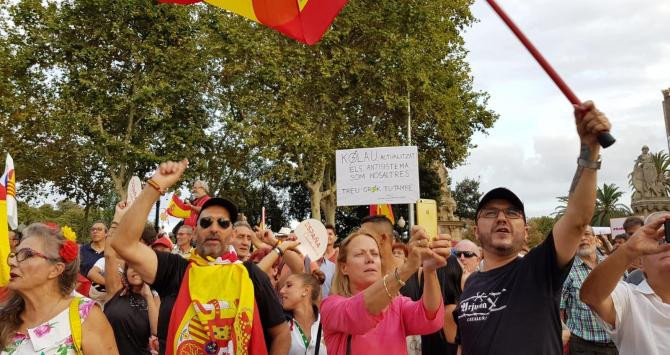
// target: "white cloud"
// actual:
[[615, 52]]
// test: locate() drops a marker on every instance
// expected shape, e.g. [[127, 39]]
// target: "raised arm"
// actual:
[[127, 240], [582, 195], [598, 287], [112, 262]]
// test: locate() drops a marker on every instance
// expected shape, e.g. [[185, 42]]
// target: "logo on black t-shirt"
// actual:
[[478, 307]]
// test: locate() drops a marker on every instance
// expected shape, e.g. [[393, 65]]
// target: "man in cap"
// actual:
[[510, 306], [195, 309]]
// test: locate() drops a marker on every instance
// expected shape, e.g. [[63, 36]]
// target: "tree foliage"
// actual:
[[538, 229], [608, 205], [467, 195]]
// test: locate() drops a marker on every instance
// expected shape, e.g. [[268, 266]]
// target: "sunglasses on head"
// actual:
[[467, 254], [206, 222]]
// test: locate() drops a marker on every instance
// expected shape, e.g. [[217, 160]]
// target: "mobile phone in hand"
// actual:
[[666, 224]]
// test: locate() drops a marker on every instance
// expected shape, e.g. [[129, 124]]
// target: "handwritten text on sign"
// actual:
[[377, 175]]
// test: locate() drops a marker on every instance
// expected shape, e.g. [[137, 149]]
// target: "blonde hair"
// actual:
[[340, 284]]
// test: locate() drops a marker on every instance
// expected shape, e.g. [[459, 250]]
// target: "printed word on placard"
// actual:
[[313, 238], [368, 176]]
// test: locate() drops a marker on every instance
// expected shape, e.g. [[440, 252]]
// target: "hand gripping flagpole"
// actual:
[[605, 139]]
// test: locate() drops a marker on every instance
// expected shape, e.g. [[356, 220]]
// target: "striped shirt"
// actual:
[[579, 318]]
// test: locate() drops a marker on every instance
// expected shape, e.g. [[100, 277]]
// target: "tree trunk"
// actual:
[[329, 206], [315, 198]]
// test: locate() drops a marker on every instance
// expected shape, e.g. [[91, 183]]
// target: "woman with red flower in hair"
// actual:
[[41, 316]]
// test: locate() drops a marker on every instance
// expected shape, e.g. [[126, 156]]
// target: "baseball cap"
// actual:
[[222, 202], [164, 241], [501, 193]]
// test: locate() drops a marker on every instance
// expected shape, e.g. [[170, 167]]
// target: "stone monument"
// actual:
[[649, 186], [446, 221]]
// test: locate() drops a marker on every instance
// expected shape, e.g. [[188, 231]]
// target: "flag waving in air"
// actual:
[[177, 208], [8, 180], [4, 230], [303, 20], [384, 210]]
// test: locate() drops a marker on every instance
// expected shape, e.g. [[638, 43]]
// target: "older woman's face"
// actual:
[[363, 264], [34, 270]]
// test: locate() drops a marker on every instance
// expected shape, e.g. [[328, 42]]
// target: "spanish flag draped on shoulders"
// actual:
[[215, 317]]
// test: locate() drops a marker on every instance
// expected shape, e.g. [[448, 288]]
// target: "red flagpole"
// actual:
[[605, 139]]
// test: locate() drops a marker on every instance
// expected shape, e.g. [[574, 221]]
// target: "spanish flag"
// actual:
[[303, 20], [4, 236], [177, 208], [385, 210], [9, 180]]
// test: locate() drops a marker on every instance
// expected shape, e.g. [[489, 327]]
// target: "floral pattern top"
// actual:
[[52, 337]]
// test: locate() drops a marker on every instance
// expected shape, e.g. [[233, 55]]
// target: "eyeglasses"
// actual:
[[511, 213], [467, 254], [27, 253], [206, 222]]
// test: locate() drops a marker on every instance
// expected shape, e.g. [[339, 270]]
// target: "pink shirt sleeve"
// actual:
[[347, 315], [415, 317]]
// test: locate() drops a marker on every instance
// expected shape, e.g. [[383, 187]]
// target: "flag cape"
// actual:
[[384, 210], [217, 315], [303, 20], [9, 181], [177, 208]]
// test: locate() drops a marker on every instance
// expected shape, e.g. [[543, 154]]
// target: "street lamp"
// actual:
[[401, 223]]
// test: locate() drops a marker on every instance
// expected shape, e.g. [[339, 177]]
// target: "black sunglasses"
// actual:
[[467, 254], [206, 222]]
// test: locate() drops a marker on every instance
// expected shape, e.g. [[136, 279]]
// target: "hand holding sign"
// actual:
[[313, 238], [134, 189]]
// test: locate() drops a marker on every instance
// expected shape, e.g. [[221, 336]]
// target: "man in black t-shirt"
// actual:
[[165, 271], [449, 277], [510, 306]]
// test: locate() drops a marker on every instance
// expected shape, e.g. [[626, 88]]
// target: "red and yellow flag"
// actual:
[[303, 20], [384, 210], [177, 208], [4, 237]]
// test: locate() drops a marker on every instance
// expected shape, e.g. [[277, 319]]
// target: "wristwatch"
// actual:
[[589, 164]]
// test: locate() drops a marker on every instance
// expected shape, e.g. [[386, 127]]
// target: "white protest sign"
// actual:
[[134, 189], [368, 176], [601, 230], [313, 238]]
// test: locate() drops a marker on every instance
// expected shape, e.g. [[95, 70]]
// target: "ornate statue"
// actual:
[[647, 182]]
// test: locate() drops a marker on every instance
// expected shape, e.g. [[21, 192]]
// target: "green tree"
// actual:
[[538, 229], [121, 85], [300, 104], [467, 195], [562, 206], [608, 205]]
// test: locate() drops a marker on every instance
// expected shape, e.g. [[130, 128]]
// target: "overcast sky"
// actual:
[[615, 52]]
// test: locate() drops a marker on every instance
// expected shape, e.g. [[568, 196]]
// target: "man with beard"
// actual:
[[510, 306], [174, 278], [587, 336]]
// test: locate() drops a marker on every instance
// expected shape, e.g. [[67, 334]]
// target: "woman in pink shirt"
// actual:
[[365, 314]]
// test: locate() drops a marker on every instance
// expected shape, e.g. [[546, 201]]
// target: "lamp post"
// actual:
[[401, 223]]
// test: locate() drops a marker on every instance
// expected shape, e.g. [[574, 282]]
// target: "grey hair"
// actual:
[[655, 215], [242, 224], [203, 184]]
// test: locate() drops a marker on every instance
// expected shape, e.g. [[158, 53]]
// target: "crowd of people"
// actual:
[[218, 285]]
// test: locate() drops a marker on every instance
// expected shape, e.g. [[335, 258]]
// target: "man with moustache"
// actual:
[[637, 317], [510, 306], [166, 272], [587, 335]]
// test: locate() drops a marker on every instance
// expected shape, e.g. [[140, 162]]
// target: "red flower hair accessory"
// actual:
[[69, 251]]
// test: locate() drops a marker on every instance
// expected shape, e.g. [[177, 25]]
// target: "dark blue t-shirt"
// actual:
[[88, 257]]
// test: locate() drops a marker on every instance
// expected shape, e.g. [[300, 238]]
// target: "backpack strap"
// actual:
[[75, 324], [318, 340]]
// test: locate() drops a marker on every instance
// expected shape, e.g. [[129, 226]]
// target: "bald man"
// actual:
[[468, 254]]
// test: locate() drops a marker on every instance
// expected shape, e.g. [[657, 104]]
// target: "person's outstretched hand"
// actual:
[[649, 239], [168, 173], [590, 123]]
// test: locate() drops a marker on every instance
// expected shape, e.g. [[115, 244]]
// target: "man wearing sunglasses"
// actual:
[[510, 306], [166, 272]]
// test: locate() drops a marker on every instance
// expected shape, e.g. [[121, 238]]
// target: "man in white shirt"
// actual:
[[637, 317]]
